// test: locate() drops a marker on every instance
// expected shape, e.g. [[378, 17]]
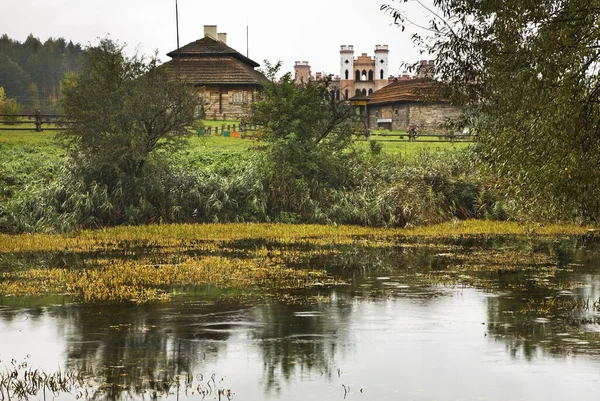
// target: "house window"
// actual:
[[205, 97], [238, 98]]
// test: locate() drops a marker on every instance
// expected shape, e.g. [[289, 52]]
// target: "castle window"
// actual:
[[346, 95], [381, 74], [370, 75], [347, 73], [357, 75], [364, 92], [364, 75], [370, 91]]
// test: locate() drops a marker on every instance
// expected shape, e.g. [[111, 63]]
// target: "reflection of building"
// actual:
[[410, 103], [228, 78]]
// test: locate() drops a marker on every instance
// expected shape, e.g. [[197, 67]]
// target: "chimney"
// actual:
[[222, 37], [211, 31]]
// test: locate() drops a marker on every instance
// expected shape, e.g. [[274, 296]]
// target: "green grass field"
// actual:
[[45, 142]]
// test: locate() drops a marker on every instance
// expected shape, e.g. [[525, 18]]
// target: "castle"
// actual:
[[362, 74]]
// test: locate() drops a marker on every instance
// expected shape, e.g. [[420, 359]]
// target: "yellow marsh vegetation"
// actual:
[[149, 261]]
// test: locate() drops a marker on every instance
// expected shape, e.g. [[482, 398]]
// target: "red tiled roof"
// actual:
[[209, 47], [217, 70], [420, 89]]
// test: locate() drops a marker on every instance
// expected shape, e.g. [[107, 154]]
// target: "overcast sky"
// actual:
[[310, 30]]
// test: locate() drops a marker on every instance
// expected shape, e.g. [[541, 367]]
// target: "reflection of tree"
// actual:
[[298, 339], [141, 349], [541, 319]]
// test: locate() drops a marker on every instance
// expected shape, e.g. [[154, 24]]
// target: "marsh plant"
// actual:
[[18, 381]]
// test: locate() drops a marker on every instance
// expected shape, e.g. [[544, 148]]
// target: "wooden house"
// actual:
[[227, 80]]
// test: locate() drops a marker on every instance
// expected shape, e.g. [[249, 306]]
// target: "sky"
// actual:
[[279, 30]]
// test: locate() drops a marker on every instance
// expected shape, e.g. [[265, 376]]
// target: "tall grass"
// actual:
[[44, 192]]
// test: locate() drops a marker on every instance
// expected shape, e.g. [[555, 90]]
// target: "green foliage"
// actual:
[[36, 69], [18, 84], [10, 106], [123, 110], [306, 134], [528, 73]]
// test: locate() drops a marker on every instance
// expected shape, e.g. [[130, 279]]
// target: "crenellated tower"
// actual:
[[381, 66], [346, 62]]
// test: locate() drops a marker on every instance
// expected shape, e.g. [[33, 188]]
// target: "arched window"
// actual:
[[357, 75], [347, 74], [364, 92], [364, 75], [370, 91], [370, 75], [381, 74], [356, 92], [337, 94], [346, 95]]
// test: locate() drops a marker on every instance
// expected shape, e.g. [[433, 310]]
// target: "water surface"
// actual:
[[408, 326]]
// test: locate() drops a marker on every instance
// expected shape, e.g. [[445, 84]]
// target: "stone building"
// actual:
[[227, 79], [410, 103]]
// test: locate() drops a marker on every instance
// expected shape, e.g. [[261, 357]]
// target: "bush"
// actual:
[[10, 106]]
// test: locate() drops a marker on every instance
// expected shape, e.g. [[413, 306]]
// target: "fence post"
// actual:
[[38, 120]]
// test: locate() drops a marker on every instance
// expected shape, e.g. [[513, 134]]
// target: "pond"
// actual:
[[411, 322]]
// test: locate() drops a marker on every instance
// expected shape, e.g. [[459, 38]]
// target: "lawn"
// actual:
[[44, 142]]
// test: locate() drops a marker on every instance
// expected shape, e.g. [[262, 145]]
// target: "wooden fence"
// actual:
[[27, 122], [408, 137], [55, 122]]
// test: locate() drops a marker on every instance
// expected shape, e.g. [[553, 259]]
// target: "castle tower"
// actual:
[[346, 62], [346, 71], [301, 72], [381, 66]]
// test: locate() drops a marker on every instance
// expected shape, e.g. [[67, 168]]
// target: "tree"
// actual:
[[18, 84], [528, 72], [122, 110], [306, 133]]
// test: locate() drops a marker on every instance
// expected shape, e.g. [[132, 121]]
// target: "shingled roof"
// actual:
[[216, 71], [209, 62], [419, 90], [209, 47]]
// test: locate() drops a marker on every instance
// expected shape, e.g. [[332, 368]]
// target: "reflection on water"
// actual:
[[412, 324]]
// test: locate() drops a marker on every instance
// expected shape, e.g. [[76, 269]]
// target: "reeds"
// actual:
[[20, 382]]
